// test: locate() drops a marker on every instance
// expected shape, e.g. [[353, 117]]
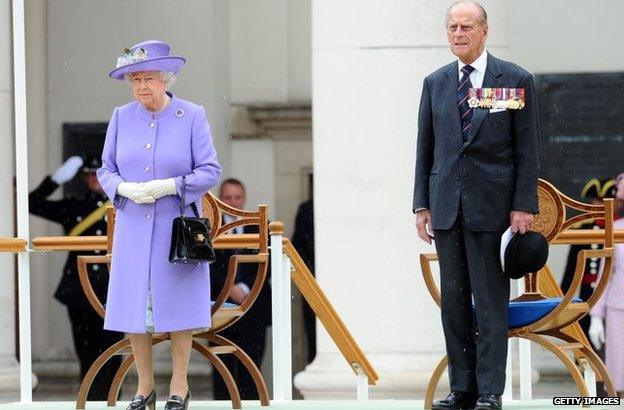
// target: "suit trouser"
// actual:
[[252, 339], [470, 264]]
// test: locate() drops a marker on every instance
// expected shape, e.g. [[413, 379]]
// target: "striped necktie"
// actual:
[[462, 100]]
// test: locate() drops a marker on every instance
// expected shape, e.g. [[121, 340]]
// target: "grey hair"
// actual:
[[482, 13], [167, 76]]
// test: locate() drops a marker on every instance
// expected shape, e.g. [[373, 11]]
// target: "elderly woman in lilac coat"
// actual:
[[151, 144]]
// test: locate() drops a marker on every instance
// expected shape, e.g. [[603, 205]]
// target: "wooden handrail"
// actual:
[[82, 243], [13, 245], [250, 241], [323, 309], [586, 236]]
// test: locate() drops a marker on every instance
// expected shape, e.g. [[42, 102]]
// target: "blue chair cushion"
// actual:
[[226, 304], [524, 313]]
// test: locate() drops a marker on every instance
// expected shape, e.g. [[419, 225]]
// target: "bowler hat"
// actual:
[[151, 55], [525, 253]]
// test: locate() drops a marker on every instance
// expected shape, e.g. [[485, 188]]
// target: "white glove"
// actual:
[[597, 331], [135, 192], [160, 187], [68, 170]]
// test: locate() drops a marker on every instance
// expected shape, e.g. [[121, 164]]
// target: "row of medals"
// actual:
[[497, 98]]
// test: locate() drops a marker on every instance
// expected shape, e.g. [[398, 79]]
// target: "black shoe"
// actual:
[[489, 401], [176, 402], [456, 400], [143, 403]]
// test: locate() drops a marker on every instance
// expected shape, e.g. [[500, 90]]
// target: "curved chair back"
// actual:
[[553, 219]]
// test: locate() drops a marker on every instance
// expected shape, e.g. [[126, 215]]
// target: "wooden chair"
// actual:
[[543, 312], [223, 314]]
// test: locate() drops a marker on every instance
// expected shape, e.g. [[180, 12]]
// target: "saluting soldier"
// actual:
[[81, 216]]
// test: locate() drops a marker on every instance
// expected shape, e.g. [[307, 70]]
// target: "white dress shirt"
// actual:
[[479, 65]]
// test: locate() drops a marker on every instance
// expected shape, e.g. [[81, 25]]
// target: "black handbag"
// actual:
[[190, 237]]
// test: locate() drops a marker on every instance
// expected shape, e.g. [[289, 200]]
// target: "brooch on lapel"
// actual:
[[496, 98], [179, 113]]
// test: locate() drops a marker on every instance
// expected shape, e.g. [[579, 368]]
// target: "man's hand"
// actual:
[[423, 225], [239, 293], [520, 221]]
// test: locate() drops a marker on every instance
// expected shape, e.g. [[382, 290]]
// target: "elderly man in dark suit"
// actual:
[[476, 174]]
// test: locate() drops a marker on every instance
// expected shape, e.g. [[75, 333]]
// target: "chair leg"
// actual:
[[85, 386], [433, 382], [569, 363], [263, 392], [113, 392], [223, 371], [595, 360]]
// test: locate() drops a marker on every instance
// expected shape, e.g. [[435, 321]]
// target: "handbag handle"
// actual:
[[183, 201]]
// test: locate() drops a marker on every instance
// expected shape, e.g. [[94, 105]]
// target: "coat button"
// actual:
[[148, 216], [463, 155], [148, 145], [152, 124], [98, 232], [96, 267], [146, 169]]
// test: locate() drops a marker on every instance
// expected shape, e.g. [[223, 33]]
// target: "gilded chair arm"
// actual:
[[85, 281], [227, 284], [262, 260], [603, 281], [572, 290], [425, 266]]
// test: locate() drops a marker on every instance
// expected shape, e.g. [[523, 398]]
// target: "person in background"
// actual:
[[81, 216], [610, 309], [593, 192], [249, 332], [303, 241]]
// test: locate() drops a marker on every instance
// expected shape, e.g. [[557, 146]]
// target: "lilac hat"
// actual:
[[151, 55]]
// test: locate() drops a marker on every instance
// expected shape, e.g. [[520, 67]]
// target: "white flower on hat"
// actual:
[[130, 57]]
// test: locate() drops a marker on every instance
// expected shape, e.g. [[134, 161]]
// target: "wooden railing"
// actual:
[[13, 245], [301, 276]]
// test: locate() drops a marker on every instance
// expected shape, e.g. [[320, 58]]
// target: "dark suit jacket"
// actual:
[[260, 312], [69, 212], [495, 170], [303, 237]]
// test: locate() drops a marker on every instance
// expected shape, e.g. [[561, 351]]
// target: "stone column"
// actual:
[[369, 58], [9, 369]]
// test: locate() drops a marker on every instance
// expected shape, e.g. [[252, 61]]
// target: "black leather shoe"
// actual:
[[176, 402], [143, 403], [489, 401], [456, 400]]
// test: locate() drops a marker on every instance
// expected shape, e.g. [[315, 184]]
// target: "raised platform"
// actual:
[[297, 404]]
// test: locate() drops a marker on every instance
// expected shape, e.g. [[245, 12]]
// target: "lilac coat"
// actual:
[[140, 148], [613, 297]]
